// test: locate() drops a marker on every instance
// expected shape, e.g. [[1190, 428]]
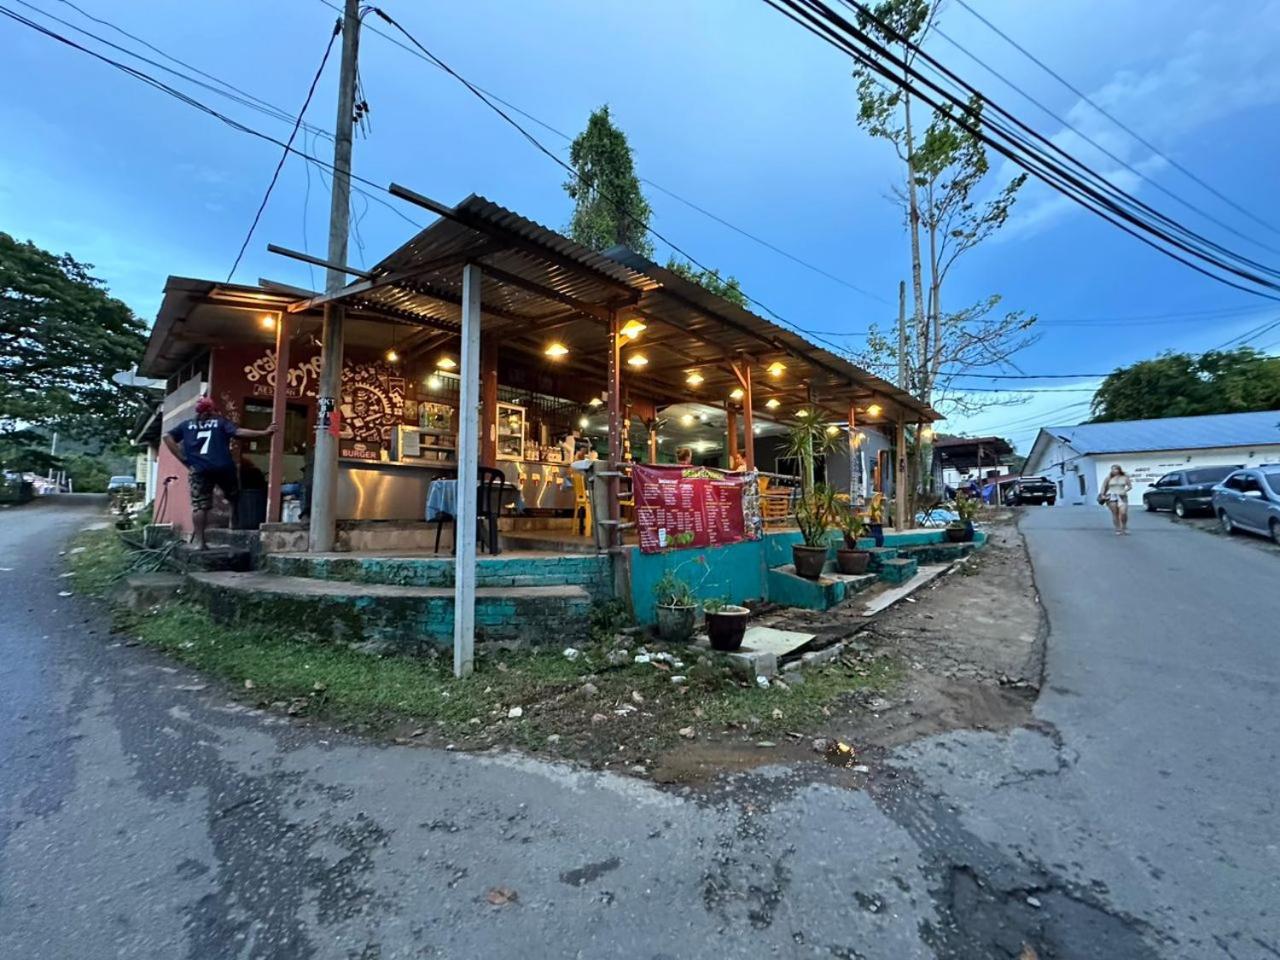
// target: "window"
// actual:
[[1170, 480], [1273, 480], [1080, 477], [1208, 474], [1249, 483]]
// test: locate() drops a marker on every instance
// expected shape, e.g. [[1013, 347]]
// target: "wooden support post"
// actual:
[[653, 441], [614, 511], [748, 424], [464, 592], [731, 430], [901, 480], [489, 401], [857, 484], [279, 410]]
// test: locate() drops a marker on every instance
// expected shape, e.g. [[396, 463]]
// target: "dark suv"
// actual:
[[1027, 490], [1186, 491]]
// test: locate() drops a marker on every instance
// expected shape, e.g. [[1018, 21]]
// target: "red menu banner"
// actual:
[[679, 507]]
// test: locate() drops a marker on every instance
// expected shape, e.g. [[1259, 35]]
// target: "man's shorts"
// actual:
[[202, 483]]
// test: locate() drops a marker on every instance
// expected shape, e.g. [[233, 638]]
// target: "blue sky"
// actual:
[[725, 103]]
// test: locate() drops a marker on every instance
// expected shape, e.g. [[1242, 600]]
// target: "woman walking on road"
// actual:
[[1115, 493]]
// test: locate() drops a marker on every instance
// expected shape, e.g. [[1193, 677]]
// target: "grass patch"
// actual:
[[589, 708]]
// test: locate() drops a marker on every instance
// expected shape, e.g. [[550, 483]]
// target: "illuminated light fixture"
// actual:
[[632, 329], [802, 413], [875, 410], [446, 363], [773, 403], [433, 382], [736, 394], [694, 378], [595, 402], [776, 368], [556, 350], [755, 429], [268, 322], [702, 417], [927, 433], [637, 360], [832, 430], [687, 419], [584, 423]]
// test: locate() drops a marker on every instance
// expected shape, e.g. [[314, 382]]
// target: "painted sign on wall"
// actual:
[[678, 507]]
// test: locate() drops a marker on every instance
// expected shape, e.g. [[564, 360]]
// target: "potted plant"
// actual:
[[726, 623], [875, 518], [815, 515], [960, 530], [851, 559], [675, 605]]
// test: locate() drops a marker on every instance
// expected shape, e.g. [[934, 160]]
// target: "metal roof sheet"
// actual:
[[1173, 433]]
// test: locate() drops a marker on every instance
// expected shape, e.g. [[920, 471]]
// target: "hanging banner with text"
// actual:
[[681, 507]]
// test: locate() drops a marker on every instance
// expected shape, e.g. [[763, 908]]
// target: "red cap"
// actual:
[[206, 405]]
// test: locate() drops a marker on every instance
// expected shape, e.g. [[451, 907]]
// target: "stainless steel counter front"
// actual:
[[385, 491], [544, 486]]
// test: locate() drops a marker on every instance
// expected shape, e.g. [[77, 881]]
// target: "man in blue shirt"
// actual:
[[203, 443]]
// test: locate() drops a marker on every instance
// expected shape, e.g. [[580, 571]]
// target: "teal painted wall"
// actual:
[[735, 571]]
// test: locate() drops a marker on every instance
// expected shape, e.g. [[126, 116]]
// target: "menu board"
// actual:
[[680, 507]]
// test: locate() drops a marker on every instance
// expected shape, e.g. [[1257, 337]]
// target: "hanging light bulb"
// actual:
[[927, 433], [433, 382], [694, 378], [776, 368], [446, 363], [594, 402], [632, 329], [687, 419], [736, 393], [556, 350], [773, 403], [802, 413], [832, 430], [584, 423], [874, 410], [637, 360], [268, 322], [392, 356]]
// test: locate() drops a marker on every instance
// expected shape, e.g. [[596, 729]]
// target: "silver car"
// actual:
[[1250, 500]]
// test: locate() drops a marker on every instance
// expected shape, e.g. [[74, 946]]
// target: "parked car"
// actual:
[[1032, 490], [1250, 500], [1186, 491], [122, 484]]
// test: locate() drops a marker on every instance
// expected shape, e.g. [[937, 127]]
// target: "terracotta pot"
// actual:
[[852, 561], [960, 534], [726, 626], [809, 561], [675, 624]]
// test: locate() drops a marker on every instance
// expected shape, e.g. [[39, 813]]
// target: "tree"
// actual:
[[944, 169], [729, 288], [62, 339], [1187, 385], [609, 207]]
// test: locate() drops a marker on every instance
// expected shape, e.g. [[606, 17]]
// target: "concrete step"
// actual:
[[189, 558], [593, 572], [392, 618], [898, 570]]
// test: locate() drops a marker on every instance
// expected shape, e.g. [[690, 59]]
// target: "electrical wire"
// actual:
[[1002, 134], [1119, 123], [288, 146]]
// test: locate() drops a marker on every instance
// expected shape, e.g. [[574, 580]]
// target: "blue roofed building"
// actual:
[[1076, 458]]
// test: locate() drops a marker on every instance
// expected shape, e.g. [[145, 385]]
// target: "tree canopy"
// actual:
[[609, 207], [62, 339], [1186, 385], [727, 287]]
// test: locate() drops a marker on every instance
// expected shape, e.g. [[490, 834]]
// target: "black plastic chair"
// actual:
[[493, 489]]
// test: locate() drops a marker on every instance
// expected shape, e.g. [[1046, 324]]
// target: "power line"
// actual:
[[1013, 138], [337, 29], [1119, 123]]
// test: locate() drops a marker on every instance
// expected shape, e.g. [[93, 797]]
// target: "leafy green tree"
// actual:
[[727, 287], [609, 207], [1187, 385], [62, 339]]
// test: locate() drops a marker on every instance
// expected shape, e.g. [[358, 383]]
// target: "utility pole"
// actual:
[[902, 336], [324, 482]]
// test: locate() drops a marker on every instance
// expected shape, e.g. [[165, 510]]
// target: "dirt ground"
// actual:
[[970, 647]]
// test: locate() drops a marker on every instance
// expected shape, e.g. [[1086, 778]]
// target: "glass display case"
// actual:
[[511, 431]]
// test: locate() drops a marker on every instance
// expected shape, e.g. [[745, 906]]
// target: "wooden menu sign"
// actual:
[[678, 507]]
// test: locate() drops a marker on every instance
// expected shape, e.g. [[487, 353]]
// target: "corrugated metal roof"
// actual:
[[1173, 433]]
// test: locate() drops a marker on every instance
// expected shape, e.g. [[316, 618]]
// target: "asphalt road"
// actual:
[[142, 814]]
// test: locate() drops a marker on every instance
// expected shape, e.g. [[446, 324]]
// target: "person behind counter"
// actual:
[[737, 463], [684, 457]]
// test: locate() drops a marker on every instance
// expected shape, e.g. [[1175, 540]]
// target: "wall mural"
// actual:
[[372, 403], [301, 378]]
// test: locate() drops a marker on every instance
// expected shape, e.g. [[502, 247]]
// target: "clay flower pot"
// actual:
[[675, 624], [726, 626], [852, 561], [809, 561]]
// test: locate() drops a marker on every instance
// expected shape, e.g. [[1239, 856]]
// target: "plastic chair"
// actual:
[[581, 502], [490, 494]]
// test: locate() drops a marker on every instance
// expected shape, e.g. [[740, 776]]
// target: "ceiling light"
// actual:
[[446, 363], [802, 413], [268, 322], [687, 419], [694, 378], [927, 433], [556, 350], [584, 423], [595, 401], [433, 382], [632, 329], [874, 410], [637, 360], [773, 403], [776, 368], [756, 428], [702, 417], [392, 356], [736, 394], [832, 430]]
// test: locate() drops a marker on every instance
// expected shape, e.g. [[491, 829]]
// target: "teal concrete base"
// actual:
[[898, 570], [879, 555], [786, 588]]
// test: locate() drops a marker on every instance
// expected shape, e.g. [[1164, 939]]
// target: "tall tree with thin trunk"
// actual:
[[609, 207]]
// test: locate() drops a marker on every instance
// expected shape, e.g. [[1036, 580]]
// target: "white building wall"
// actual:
[[1144, 469], [1073, 474]]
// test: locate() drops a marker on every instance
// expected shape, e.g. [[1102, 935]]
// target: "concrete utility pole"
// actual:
[[324, 484]]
